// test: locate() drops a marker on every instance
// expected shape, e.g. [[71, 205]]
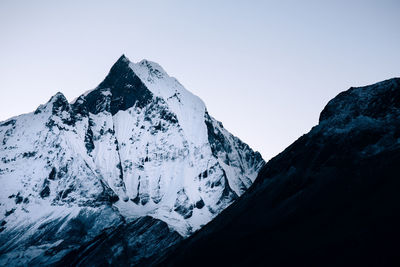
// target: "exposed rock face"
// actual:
[[329, 199], [124, 244], [137, 145]]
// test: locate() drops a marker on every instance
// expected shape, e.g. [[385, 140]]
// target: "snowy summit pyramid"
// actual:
[[137, 145]]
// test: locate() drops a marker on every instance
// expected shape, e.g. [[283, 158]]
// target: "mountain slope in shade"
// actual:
[[137, 145], [330, 199]]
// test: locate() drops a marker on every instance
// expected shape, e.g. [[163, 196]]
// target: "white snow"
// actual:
[[158, 158]]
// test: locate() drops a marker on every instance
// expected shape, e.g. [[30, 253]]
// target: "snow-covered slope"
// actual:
[[138, 145]]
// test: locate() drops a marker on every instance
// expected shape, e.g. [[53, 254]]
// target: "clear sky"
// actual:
[[264, 68]]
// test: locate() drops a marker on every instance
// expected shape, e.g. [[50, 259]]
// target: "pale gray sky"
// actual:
[[264, 68]]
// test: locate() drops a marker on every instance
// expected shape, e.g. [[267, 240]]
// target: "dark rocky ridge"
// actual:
[[329, 199], [125, 87], [126, 244], [379, 100]]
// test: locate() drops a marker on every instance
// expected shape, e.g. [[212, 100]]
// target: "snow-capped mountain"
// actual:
[[137, 145]]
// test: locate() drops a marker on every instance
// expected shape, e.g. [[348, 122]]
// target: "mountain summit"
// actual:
[[137, 152]]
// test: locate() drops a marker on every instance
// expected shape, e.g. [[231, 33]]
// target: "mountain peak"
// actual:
[[121, 65], [120, 69], [123, 58], [154, 69], [120, 90], [376, 100], [58, 97], [55, 103]]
